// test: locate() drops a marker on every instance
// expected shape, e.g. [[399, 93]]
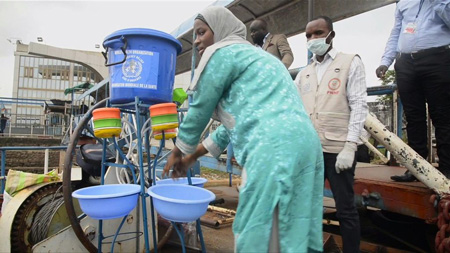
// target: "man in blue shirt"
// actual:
[[420, 45]]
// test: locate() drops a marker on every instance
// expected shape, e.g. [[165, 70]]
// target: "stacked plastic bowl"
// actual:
[[164, 118], [107, 122]]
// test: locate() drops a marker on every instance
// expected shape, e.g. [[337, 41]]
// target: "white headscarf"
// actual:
[[227, 30]]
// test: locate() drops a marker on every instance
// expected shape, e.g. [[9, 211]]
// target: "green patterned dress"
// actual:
[[253, 95]]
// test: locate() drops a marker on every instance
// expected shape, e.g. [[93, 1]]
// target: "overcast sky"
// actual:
[[82, 24]]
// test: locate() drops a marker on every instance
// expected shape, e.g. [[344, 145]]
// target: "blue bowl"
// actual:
[[196, 181], [109, 201], [180, 203]]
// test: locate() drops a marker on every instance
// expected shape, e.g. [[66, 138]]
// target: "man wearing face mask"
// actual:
[[333, 90]]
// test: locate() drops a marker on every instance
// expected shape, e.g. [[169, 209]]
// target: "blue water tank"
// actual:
[[142, 63]]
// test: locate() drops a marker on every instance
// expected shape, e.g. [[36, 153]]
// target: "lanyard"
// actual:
[[420, 7]]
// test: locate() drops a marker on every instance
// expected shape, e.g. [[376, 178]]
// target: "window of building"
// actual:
[[80, 76], [28, 72], [57, 73], [88, 76], [34, 83], [65, 75], [47, 73]]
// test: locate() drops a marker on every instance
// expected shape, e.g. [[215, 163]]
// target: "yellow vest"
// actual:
[[327, 103]]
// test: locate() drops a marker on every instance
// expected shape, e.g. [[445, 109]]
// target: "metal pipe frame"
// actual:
[[416, 164]]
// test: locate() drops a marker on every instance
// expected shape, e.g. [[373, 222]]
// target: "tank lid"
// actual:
[[145, 32]]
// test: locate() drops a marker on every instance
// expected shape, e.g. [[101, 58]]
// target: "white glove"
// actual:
[[346, 157]]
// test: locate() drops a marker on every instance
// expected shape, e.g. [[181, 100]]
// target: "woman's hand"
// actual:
[[175, 161], [181, 165], [188, 161]]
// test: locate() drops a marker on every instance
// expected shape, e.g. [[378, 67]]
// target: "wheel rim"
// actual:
[[67, 184]]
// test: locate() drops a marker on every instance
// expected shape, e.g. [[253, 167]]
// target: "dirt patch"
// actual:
[[212, 175]]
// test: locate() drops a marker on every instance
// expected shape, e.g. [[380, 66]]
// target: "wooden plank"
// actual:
[[373, 181]]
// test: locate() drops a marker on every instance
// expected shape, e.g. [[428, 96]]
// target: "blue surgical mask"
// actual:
[[318, 46]]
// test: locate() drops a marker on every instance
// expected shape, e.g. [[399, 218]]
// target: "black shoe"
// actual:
[[407, 177]]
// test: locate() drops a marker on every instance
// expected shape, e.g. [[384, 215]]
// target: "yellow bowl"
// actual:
[[107, 132], [165, 126]]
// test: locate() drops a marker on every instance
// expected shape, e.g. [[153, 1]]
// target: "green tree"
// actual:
[[389, 78]]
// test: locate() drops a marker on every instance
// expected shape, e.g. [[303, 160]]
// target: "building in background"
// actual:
[[41, 75]]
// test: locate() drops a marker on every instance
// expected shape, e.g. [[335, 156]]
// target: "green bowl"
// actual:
[[101, 123], [169, 118]]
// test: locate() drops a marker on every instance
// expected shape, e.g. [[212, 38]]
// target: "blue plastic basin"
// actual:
[[109, 201], [180, 203], [196, 181]]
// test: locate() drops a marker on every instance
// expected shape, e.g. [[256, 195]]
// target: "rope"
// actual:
[[442, 239], [42, 220]]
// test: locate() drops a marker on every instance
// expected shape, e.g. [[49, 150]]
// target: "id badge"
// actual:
[[410, 28]]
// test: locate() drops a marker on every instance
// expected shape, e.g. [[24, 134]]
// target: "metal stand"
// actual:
[[141, 112]]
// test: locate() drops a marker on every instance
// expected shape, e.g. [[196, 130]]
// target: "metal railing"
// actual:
[[3, 160], [14, 130]]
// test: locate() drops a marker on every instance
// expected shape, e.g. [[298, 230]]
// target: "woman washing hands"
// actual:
[[181, 164], [254, 97]]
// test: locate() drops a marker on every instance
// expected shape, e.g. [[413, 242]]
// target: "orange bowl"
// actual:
[[106, 113], [163, 109]]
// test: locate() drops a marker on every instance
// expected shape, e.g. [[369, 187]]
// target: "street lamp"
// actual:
[[40, 39], [97, 46]]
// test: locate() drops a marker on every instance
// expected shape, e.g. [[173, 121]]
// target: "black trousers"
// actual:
[[344, 196], [421, 79], [362, 154]]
